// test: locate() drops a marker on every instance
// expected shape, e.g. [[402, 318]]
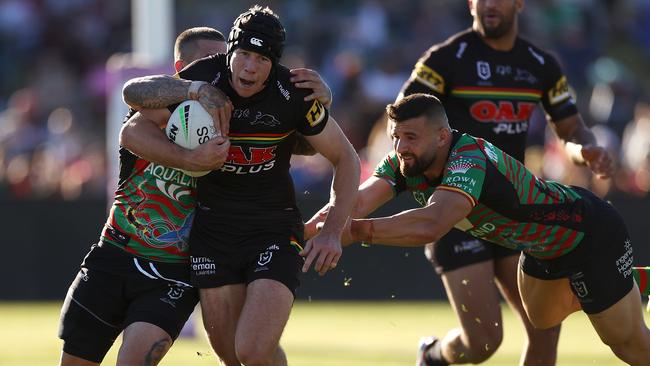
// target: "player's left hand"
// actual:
[[310, 79], [325, 250], [598, 160]]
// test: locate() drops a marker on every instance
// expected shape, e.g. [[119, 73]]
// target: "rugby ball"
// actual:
[[189, 126]]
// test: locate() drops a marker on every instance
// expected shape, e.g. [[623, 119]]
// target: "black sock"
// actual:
[[433, 356]]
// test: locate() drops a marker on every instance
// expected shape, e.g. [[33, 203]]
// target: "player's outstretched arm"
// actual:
[[324, 249], [414, 227], [142, 135], [160, 91], [372, 194], [582, 146]]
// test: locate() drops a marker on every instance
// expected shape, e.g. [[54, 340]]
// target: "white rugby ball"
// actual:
[[189, 126]]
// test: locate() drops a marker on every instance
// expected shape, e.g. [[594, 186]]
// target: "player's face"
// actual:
[[495, 17], [249, 71], [413, 143]]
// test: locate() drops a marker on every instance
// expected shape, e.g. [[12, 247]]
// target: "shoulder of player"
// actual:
[[204, 67], [541, 56], [285, 88], [452, 45]]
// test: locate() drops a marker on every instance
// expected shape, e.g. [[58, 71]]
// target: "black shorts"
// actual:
[[458, 249], [269, 256], [112, 291], [600, 268]]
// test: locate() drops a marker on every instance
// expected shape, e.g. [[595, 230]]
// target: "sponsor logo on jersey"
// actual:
[[483, 229], [559, 92], [254, 160], [203, 266], [537, 56], [504, 70], [483, 70], [472, 246], [624, 262], [283, 91], [256, 41], [504, 111], [460, 166], [170, 175], [315, 114], [265, 120], [425, 75]]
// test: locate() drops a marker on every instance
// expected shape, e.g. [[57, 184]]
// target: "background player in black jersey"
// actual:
[[247, 228], [489, 81], [566, 233]]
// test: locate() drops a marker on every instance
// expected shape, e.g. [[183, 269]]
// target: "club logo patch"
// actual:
[[315, 114], [265, 258], [483, 70]]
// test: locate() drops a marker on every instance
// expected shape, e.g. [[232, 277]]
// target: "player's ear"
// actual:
[[178, 65], [444, 136]]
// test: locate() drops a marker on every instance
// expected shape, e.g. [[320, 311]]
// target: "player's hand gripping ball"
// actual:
[[189, 126]]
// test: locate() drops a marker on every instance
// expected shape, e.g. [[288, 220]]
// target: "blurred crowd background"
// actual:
[[53, 57]]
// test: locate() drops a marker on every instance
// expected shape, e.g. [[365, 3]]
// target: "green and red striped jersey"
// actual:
[[152, 214], [511, 206]]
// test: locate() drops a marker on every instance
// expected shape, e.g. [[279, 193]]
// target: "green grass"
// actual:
[[318, 334]]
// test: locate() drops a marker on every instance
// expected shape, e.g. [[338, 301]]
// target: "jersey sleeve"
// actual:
[[312, 117], [465, 170], [388, 170], [556, 97], [429, 74]]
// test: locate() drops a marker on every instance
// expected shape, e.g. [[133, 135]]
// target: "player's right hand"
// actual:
[[218, 105], [210, 155]]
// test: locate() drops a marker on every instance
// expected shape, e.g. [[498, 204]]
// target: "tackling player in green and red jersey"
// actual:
[[576, 250]]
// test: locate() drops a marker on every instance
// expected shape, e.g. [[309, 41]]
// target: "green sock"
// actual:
[[641, 276]]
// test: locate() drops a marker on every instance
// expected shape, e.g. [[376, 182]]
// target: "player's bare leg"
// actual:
[[622, 328], [475, 300], [221, 308], [143, 344], [540, 347], [546, 302], [262, 320]]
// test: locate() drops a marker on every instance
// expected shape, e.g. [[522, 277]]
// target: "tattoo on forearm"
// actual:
[[157, 91], [156, 352]]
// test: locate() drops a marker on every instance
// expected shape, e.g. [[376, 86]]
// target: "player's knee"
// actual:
[[250, 353], [482, 344], [147, 355]]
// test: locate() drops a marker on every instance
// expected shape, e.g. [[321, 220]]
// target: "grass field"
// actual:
[[318, 334]]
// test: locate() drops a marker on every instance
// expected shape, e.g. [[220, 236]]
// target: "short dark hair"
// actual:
[[416, 105], [185, 41]]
